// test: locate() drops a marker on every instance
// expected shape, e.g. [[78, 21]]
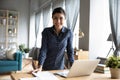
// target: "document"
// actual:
[[34, 78], [42, 76]]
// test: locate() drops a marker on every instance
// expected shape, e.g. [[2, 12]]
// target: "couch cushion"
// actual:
[[8, 63], [10, 54], [2, 54]]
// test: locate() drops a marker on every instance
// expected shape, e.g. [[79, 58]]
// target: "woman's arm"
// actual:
[[70, 50], [43, 50]]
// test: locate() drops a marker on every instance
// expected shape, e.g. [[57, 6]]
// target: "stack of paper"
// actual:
[[45, 76], [42, 76]]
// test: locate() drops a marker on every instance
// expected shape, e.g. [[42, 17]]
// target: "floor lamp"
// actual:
[[110, 38]]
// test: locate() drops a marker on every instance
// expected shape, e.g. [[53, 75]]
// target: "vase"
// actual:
[[115, 73], [26, 55]]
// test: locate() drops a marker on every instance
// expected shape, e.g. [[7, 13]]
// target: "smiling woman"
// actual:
[[55, 40], [58, 19]]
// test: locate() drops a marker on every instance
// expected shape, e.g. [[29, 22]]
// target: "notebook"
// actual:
[[80, 68]]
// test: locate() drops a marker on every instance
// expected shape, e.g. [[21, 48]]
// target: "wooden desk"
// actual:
[[94, 76]]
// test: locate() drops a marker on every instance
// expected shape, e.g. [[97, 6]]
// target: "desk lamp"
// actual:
[[110, 38], [102, 60]]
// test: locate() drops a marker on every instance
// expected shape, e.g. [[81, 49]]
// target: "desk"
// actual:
[[93, 76]]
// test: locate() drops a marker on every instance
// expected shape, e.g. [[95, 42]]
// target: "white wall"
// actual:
[[99, 28], [23, 7]]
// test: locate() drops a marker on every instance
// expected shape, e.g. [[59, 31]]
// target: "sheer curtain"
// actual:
[[36, 32], [37, 25], [115, 23], [46, 15], [58, 3], [72, 11]]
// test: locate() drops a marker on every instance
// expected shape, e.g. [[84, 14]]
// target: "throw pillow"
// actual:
[[10, 54], [2, 54]]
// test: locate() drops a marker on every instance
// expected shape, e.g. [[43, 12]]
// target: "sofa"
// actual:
[[8, 65]]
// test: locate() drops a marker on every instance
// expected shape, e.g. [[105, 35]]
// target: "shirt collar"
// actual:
[[62, 30]]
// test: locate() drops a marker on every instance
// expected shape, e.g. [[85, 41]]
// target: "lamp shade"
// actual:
[[110, 38]]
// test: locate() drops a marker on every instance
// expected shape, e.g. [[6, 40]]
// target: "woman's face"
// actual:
[[58, 20]]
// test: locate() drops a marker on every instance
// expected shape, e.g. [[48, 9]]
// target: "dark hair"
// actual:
[[58, 10]]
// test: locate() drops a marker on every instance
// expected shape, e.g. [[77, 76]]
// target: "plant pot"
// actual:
[[26, 55], [115, 73]]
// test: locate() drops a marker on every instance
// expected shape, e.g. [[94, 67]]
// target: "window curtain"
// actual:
[[72, 11], [36, 30], [58, 3], [114, 7], [46, 15], [37, 25]]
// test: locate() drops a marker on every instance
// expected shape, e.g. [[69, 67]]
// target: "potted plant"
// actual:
[[22, 47], [113, 63], [24, 50]]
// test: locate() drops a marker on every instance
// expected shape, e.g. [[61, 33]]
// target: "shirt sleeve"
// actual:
[[43, 50], [70, 50]]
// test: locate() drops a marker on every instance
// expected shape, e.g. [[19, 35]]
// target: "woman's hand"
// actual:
[[37, 69]]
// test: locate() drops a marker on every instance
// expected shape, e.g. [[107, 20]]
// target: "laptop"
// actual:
[[80, 68]]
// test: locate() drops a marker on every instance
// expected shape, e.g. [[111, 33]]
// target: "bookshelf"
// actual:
[[8, 29]]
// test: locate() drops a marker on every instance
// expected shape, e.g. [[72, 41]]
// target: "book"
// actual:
[[101, 65], [101, 68], [102, 71]]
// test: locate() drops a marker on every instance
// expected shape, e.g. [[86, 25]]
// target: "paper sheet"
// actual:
[[42, 76], [45, 76], [34, 78]]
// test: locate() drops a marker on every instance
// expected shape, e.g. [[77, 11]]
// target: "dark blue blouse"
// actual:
[[53, 48]]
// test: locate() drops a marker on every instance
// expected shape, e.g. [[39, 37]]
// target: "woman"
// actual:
[[55, 40]]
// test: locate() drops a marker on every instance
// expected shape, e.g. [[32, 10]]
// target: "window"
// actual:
[[46, 18]]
